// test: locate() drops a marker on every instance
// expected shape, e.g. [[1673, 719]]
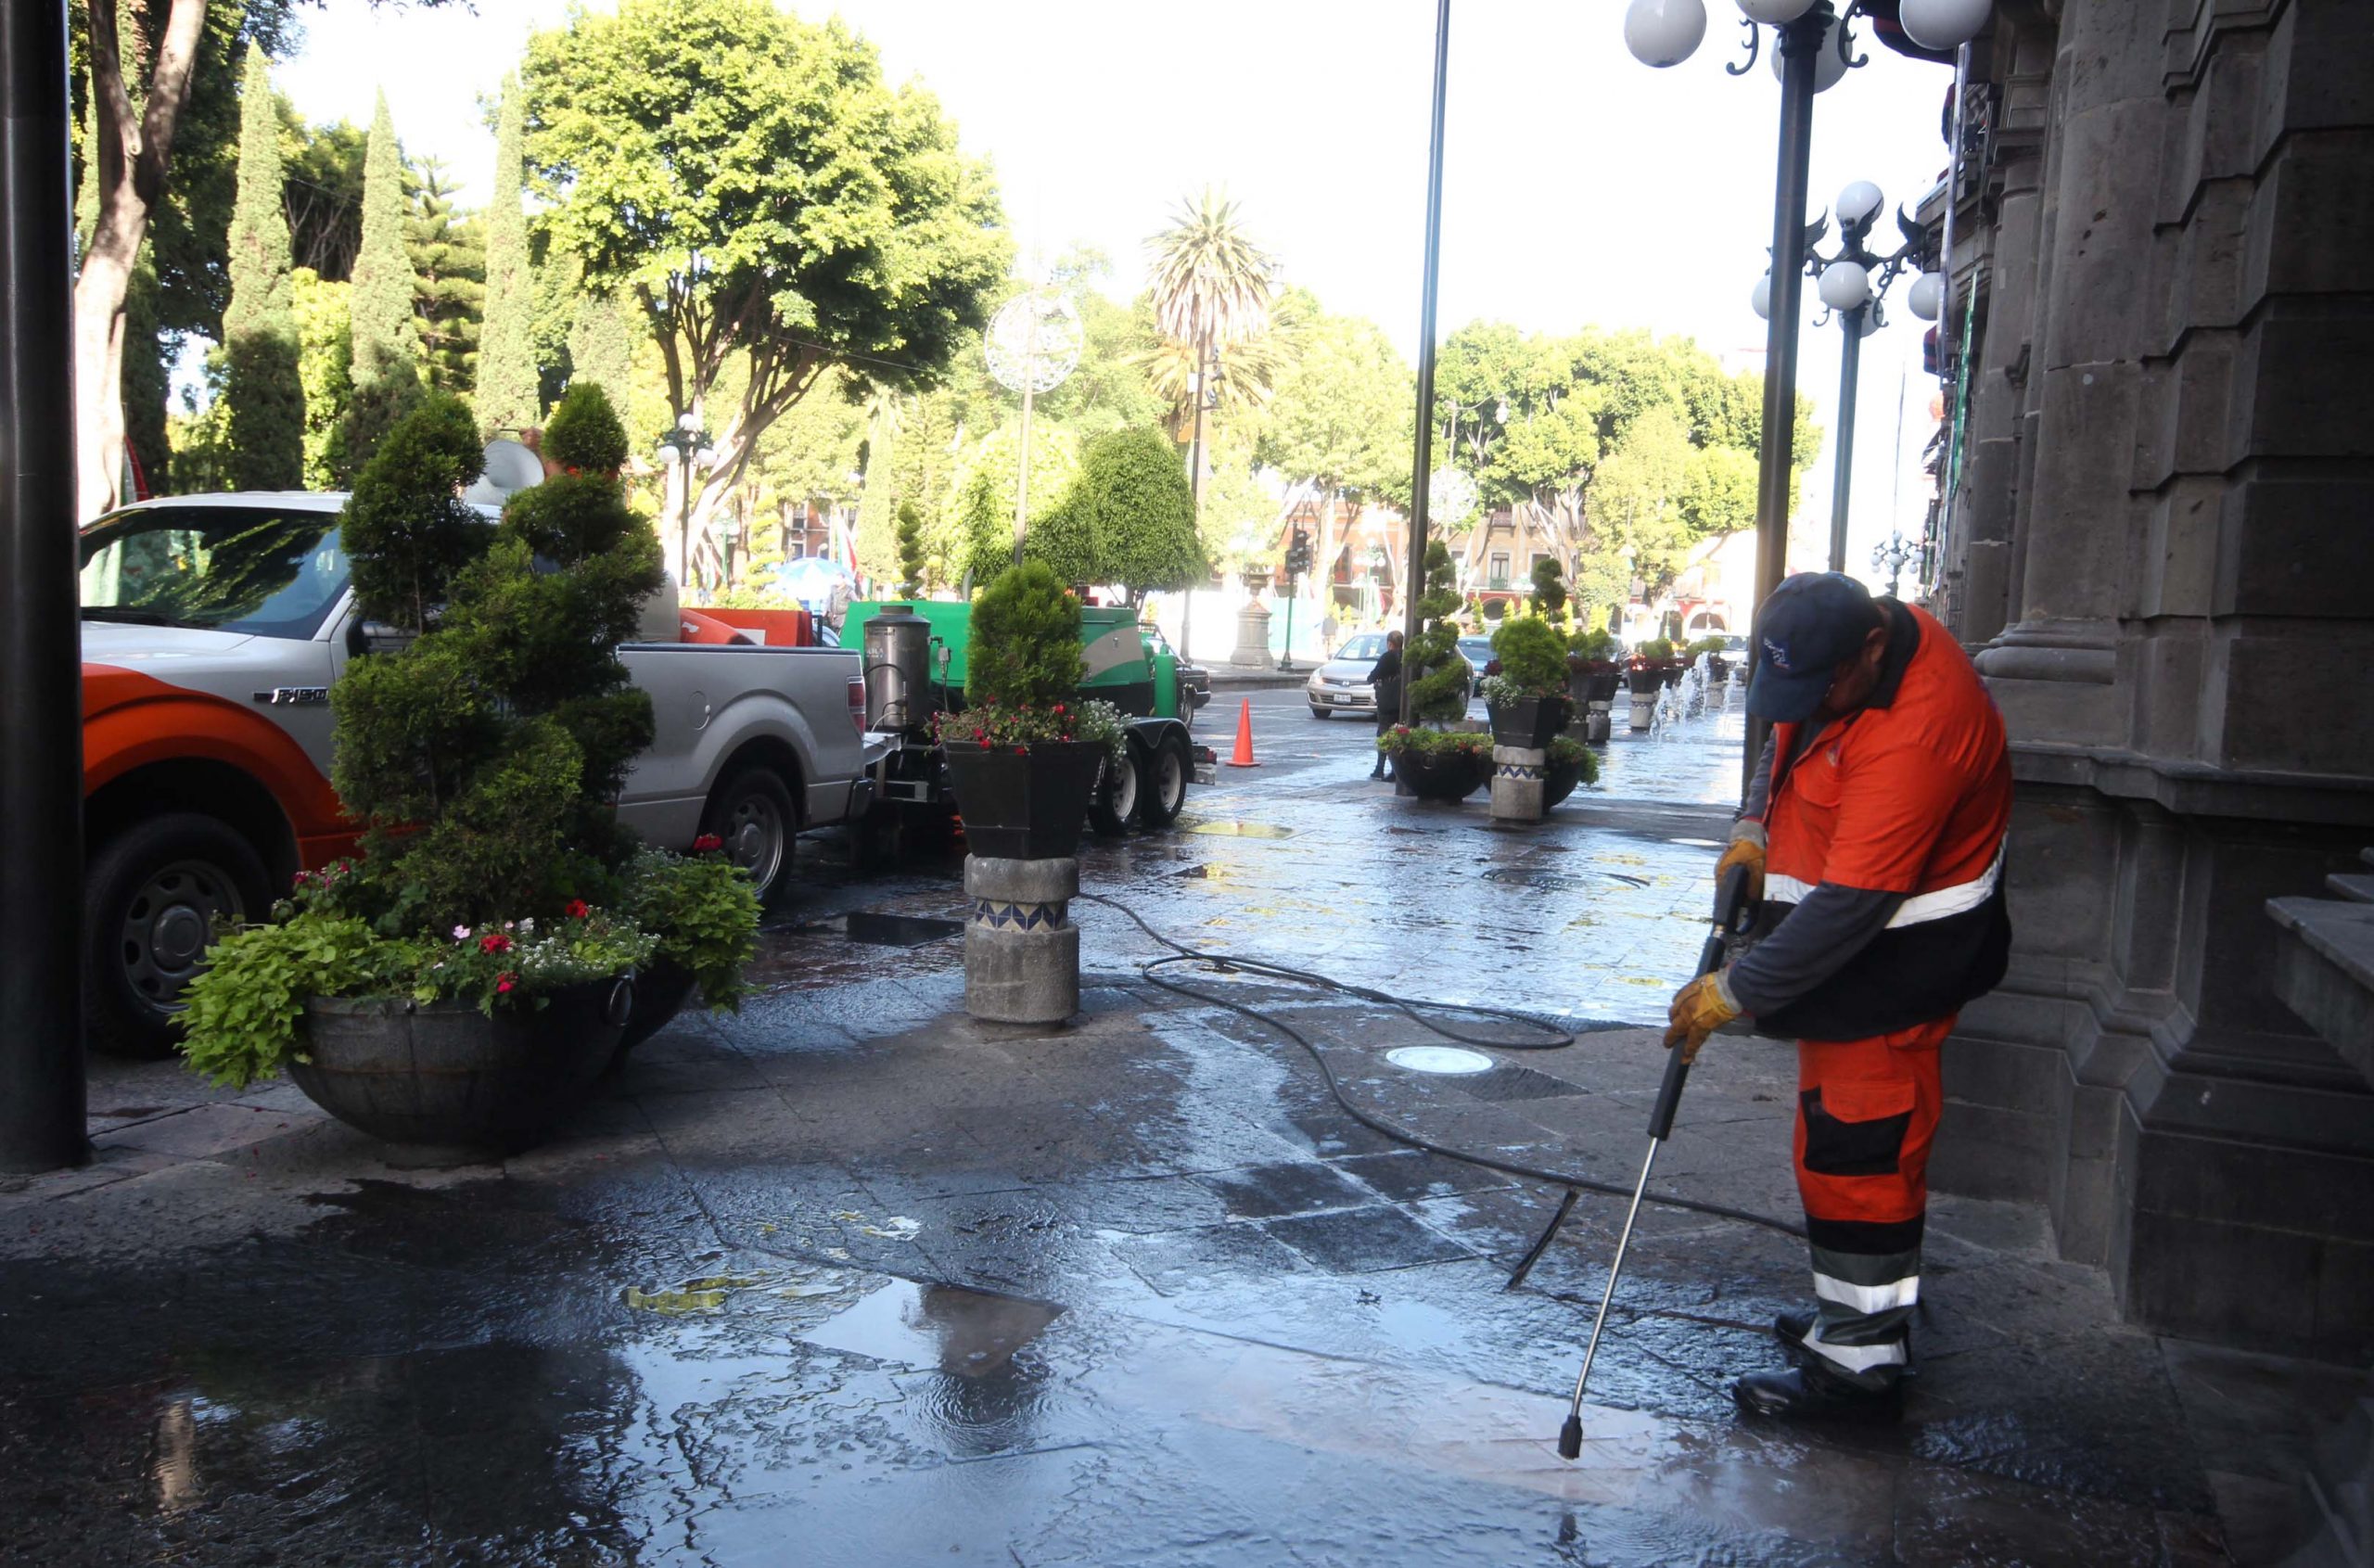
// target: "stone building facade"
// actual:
[[2161, 547]]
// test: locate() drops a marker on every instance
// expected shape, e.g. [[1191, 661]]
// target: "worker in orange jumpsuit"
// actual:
[[1874, 833]]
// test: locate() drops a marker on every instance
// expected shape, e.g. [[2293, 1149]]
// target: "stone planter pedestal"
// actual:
[[1597, 721], [1252, 634], [1517, 773], [1021, 950]]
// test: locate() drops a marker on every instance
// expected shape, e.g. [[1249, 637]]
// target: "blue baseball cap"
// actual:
[[1812, 623]]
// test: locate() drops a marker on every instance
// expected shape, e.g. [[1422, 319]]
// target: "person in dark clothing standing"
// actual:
[[1386, 679]]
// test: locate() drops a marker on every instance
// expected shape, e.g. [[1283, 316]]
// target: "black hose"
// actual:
[[1180, 953]]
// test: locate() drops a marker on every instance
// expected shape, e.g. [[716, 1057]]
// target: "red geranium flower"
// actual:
[[504, 982], [707, 843], [495, 942], [577, 909], [1022, 751]]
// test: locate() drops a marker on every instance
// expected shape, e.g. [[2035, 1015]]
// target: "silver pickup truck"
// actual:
[[213, 628]]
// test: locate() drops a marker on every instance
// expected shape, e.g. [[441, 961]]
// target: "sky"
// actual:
[[1579, 186]]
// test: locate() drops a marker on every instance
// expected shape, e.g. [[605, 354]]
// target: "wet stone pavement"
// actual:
[[849, 1279]]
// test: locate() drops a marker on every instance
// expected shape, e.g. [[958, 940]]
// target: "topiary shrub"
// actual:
[[1532, 661], [484, 757], [1593, 644], [1703, 645], [1549, 588], [1655, 650], [910, 550], [1024, 668], [1438, 676]]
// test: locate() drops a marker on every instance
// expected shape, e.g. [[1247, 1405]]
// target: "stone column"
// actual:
[[1516, 783], [1252, 634], [1021, 950]]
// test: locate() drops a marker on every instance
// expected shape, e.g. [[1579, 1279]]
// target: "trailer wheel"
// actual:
[[753, 813], [150, 900], [1162, 782], [1116, 803]]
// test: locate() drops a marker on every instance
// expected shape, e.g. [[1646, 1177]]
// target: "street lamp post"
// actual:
[[1890, 557], [1814, 48], [1853, 283], [683, 451], [1206, 387]]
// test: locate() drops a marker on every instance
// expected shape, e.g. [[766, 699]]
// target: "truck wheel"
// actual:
[[1162, 782], [1116, 804], [150, 900], [753, 813]]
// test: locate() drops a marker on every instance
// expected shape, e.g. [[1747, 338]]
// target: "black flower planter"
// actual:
[[1673, 672], [1595, 681], [1646, 682], [449, 1074], [1443, 775], [1531, 723], [1559, 780], [661, 989], [1024, 806], [1717, 667]]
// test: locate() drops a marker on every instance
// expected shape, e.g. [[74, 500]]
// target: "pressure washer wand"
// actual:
[[1731, 910]]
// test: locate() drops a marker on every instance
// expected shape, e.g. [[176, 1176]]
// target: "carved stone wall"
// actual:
[[2164, 543]]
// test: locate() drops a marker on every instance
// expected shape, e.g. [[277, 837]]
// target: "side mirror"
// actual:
[[376, 637]]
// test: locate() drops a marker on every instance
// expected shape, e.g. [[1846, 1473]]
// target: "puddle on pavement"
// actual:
[[1236, 829], [707, 1293], [876, 928], [963, 1332]]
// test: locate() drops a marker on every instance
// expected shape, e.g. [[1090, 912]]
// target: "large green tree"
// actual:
[[765, 195], [1128, 518], [1339, 424], [448, 252], [322, 191], [386, 363], [508, 391], [264, 395], [325, 355]]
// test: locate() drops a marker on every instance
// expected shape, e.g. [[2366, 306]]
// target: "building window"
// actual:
[[1497, 576]]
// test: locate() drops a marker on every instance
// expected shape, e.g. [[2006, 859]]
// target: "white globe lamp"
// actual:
[[1944, 25], [1664, 32], [1775, 13], [1828, 67], [1846, 286], [1926, 296], [1860, 203], [1760, 298]]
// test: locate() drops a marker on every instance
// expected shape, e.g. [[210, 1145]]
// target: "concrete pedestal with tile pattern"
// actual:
[[1021, 950], [1516, 783]]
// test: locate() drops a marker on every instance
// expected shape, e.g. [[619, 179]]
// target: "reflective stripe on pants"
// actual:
[[1867, 1111]]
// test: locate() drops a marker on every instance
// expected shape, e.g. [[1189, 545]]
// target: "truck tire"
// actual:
[[1114, 807], [150, 896], [753, 813], [1162, 773]]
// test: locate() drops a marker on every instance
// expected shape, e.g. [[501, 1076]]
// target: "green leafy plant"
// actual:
[[706, 914], [1549, 599], [1432, 663], [910, 550], [1593, 644], [1655, 650], [1404, 738], [1025, 650], [1703, 645], [483, 758], [1533, 660], [1567, 752]]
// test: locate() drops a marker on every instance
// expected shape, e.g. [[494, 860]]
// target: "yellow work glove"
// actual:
[[1699, 1009], [1747, 850]]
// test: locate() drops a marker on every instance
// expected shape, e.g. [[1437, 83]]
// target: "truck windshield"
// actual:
[[258, 569]]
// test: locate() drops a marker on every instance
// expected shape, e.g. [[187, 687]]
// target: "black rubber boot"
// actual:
[[1807, 1393], [1791, 1328]]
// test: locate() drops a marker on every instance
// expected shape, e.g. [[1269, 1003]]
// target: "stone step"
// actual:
[[2339, 1484], [2358, 890]]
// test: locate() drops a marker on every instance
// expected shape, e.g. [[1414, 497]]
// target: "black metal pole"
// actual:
[[41, 697], [1797, 43], [1422, 462], [1850, 362]]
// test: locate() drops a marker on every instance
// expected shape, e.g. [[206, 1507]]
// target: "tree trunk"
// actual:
[[129, 157]]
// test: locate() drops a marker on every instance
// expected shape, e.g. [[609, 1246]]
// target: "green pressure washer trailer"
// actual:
[[913, 655]]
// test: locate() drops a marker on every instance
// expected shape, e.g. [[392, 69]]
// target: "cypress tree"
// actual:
[[507, 390], [602, 341], [910, 550], [386, 342], [448, 250], [263, 397]]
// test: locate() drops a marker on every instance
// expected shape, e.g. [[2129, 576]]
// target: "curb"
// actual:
[[1243, 678]]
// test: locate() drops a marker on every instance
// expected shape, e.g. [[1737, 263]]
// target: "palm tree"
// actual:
[[1211, 283]]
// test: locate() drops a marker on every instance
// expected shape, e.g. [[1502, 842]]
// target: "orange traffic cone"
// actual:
[[1244, 757]]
